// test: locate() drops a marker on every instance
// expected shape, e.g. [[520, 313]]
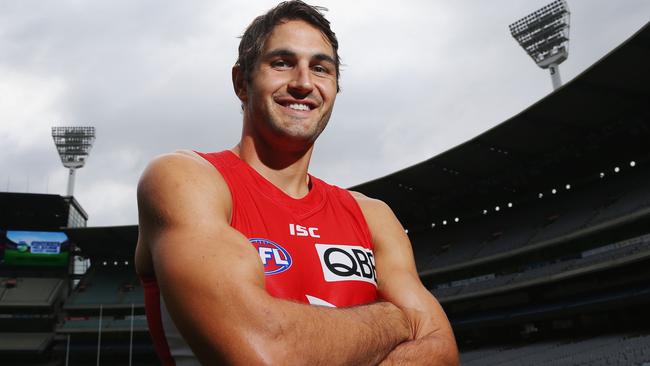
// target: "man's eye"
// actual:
[[280, 63], [320, 68]]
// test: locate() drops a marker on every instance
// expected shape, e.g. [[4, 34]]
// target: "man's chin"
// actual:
[[298, 132], [297, 140]]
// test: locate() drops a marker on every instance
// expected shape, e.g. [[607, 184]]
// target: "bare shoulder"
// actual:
[[174, 164], [379, 216], [392, 246], [180, 183], [371, 207]]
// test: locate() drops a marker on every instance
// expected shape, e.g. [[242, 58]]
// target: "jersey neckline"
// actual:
[[312, 201]]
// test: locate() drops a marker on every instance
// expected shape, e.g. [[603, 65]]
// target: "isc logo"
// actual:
[[299, 230], [274, 258], [347, 263]]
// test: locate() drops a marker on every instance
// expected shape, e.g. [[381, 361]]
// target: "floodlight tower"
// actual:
[[544, 35], [73, 145]]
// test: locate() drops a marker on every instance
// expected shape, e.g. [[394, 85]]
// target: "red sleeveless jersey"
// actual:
[[316, 249]]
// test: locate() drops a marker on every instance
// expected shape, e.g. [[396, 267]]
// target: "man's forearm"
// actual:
[[428, 350], [362, 335]]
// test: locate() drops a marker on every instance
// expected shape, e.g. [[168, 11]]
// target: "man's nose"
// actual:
[[301, 85]]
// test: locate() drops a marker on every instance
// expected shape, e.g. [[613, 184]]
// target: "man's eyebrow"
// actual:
[[280, 52], [324, 57], [288, 53]]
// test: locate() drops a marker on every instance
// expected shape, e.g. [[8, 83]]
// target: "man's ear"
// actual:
[[239, 83]]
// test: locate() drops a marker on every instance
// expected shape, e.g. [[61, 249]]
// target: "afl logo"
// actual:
[[274, 258]]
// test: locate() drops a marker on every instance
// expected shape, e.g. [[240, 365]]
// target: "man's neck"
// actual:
[[286, 170]]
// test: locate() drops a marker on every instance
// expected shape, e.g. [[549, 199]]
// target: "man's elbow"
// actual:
[[448, 351], [248, 352], [272, 352], [437, 350]]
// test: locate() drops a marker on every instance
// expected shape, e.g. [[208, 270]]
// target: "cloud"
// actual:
[[420, 77], [27, 103]]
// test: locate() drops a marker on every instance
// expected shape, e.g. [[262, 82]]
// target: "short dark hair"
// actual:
[[258, 31]]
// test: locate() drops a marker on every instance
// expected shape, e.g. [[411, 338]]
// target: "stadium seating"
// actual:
[[108, 324], [17, 342], [29, 291], [108, 287], [628, 349], [629, 248]]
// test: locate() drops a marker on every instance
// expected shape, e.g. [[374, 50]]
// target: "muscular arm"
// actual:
[[212, 282], [433, 342]]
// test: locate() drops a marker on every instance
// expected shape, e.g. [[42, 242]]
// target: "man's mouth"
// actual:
[[298, 107], [304, 105]]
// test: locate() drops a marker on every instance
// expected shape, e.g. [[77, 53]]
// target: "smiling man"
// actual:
[[247, 259]]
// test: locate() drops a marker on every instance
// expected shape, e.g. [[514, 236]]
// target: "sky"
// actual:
[[418, 78]]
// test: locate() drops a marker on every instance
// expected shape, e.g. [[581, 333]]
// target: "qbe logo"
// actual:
[[347, 263], [274, 258]]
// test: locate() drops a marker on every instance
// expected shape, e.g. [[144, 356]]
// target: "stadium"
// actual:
[[534, 236]]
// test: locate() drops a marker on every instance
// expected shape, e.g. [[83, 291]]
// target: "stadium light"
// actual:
[[632, 163], [617, 169], [544, 35], [73, 145]]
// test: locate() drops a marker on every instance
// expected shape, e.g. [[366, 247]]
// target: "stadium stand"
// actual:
[[33, 287], [108, 300], [107, 304], [537, 224], [534, 235]]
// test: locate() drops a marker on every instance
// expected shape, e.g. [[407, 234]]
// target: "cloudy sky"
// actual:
[[420, 77]]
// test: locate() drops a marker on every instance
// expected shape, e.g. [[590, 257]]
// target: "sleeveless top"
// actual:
[[315, 250]]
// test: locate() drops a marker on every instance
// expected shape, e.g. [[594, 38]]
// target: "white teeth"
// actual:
[[298, 107]]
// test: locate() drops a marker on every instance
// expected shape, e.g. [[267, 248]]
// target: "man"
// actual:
[[247, 259]]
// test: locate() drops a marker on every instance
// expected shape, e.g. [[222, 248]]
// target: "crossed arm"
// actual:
[[212, 282], [432, 340]]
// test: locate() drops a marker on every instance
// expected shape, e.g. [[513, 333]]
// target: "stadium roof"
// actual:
[[597, 120], [36, 211], [109, 243]]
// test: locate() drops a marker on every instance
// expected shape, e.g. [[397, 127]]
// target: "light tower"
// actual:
[[73, 145], [544, 35]]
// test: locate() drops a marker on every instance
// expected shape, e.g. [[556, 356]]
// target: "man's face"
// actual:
[[293, 86]]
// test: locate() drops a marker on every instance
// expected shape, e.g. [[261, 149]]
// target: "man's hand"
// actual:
[[432, 340]]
